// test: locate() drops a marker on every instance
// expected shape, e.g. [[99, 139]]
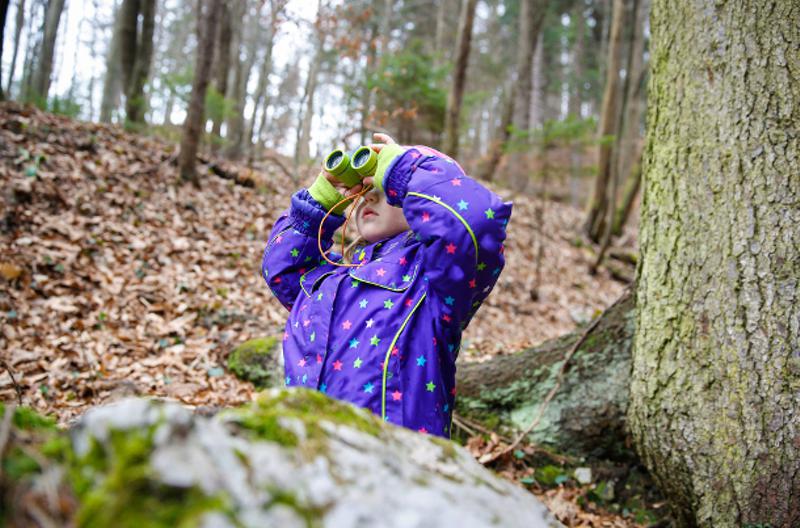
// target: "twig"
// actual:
[[491, 457], [463, 426], [13, 380]]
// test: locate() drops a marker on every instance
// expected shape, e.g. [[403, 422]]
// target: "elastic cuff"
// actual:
[[306, 213], [326, 194]]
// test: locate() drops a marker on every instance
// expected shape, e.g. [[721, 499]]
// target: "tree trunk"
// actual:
[[598, 206], [32, 46], [263, 81], [134, 96], [498, 144], [128, 28], [629, 196], [304, 125], [3, 14], [40, 84], [236, 122], [716, 370], [456, 95], [223, 63], [587, 415], [112, 85], [576, 83], [19, 22], [195, 116]]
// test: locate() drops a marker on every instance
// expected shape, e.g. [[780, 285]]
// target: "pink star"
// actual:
[[306, 322], [302, 270], [278, 239], [276, 280], [451, 248], [319, 358], [285, 335], [301, 363], [456, 182], [337, 365], [414, 155], [423, 430], [346, 325], [392, 192], [403, 261], [434, 341], [396, 395], [453, 391], [446, 318], [409, 302], [472, 283], [381, 272], [425, 217], [395, 351]]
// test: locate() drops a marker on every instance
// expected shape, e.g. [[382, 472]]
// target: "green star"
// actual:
[[430, 386], [307, 259], [374, 340], [357, 362], [406, 278], [313, 336], [489, 213], [354, 283], [481, 266], [319, 296], [388, 303], [294, 252]]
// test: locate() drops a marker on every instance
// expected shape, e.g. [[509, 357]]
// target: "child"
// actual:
[[384, 333]]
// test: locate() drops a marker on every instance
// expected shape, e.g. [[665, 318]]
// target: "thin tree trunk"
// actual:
[[134, 97], [304, 126], [236, 123], [715, 386], [498, 144], [129, 15], [598, 206], [20, 21], [3, 14], [366, 94], [263, 81], [112, 85], [40, 85], [629, 196], [195, 116], [223, 64], [456, 95], [32, 47], [575, 86]]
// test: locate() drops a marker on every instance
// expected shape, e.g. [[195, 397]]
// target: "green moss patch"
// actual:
[[256, 361], [290, 416]]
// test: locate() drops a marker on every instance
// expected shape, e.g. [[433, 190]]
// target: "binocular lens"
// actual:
[[361, 157], [334, 159]]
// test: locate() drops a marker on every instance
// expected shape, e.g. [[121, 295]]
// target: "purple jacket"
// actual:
[[385, 335]]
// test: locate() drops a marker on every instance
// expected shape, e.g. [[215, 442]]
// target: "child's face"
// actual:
[[376, 219]]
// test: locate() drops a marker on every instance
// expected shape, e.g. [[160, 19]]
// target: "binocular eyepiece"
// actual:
[[351, 169]]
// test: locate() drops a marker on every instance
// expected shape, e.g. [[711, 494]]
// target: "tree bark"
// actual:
[[128, 28], [112, 85], [19, 22], [235, 129], [598, 206], [456, 94], [195, 116], [587, 415], [716, 370], [134, 91], [498, 144], [40, 85], [276, 8]]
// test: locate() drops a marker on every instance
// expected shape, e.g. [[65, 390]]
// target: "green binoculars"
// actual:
[[351, 169]]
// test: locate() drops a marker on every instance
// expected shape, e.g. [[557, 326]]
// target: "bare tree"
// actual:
[[456, 94], [208, 18], [42, 73], [140, 67], [222, 63], [3, 14]]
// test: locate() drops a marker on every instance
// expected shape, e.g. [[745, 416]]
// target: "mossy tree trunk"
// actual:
[[587, 414], [715, 386]]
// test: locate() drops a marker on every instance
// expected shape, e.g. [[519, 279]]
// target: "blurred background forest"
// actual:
[[525, 91]]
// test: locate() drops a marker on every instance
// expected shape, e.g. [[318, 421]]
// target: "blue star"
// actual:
[[421, 361], [462, 205], [446, 406], [449, 300], [496, 271], [305, 223], [288, 381], [368, 387], [363, 303], [305, 378], [353, 343], [450, 347], [324, 388]]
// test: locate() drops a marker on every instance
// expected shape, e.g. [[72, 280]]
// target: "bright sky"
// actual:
[[75, 58]]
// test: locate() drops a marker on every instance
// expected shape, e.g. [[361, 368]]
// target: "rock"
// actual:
[[292, 458], [258, 361], [583, 475]]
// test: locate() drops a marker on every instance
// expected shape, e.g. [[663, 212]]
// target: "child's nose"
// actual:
[[371, 196]]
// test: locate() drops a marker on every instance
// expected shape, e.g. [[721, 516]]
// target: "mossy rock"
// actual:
[[257, 361]]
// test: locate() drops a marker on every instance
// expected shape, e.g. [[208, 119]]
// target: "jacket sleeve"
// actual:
[[292, 248], [461, 223]]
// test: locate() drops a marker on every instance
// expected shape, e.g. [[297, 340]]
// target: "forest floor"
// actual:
[[116, 281]]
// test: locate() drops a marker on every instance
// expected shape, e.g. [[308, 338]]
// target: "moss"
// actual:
[[255, 361], [116, 486], [311, 515], [271, 417], [27, 419]]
